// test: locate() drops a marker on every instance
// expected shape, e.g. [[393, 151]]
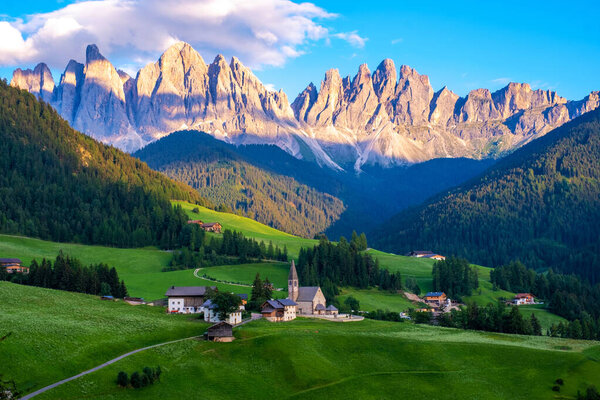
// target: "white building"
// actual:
[[186, 299], [212, 315]]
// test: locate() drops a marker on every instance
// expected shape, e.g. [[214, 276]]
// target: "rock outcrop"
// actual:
[[385, 117]]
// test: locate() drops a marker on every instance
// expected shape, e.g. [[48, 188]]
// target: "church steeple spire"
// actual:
[[293, 283]]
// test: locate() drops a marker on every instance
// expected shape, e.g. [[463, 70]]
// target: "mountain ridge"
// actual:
[[387, 117], [538, 205]]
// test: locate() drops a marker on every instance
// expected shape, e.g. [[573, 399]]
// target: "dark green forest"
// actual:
[[540, 205], [224, 177], [331, 265], [232, 247], [67, 273], [60, 185]]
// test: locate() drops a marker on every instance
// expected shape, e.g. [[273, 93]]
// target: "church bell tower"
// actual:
[[293, 283]]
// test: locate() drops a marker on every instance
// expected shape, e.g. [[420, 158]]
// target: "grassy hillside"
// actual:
[[368, 360], [59, 334], [540, 205], [139, 268], [248, 227]]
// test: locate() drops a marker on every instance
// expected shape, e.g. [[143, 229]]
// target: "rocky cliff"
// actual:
[[386, 117]]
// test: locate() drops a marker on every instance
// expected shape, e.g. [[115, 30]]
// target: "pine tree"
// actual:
[[536, 327]]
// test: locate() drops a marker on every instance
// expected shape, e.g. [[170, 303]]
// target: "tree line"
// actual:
[[492, 318], [233, 247], [330, 265], [568, 295], [69, 274], [455, 277]]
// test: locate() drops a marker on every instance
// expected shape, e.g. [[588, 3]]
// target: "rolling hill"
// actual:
[[368, 359], [58, 184], [540, 205]]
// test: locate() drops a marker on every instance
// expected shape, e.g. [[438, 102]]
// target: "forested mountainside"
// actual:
[[58, 184], [224, 176], [540, 205], [269, 185]]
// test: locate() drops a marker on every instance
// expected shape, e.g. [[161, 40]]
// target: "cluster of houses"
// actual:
[[214, 227], [425, 254], [301, 300], [13, 266], [193, 300]]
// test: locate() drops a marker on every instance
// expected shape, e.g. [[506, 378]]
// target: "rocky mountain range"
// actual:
[[384, 118]]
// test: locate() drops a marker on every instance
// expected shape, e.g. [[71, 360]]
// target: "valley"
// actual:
[[349, 201]]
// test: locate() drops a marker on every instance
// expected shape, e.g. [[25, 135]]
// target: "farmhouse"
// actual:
[[220, 332], [13, 266], [523, 298], [435, 298], [212, 227], [195, 222], [186, 299], [310, 299], [211, 314], [425, 254], [279, 310]]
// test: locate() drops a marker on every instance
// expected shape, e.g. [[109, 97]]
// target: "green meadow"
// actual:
[[57, 334], [248, 227], [277, 272], [313, 359]]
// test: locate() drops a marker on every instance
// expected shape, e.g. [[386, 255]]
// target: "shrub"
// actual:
[[122, 379], [559, 381], [556, 388], [136, 380]]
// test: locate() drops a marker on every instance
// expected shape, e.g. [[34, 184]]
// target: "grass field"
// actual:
[[311, 359], [375, 299], [59, 334], [546, 317], [249, 227], [277, 272]]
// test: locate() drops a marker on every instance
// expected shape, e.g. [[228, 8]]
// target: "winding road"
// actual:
[[89, 371]]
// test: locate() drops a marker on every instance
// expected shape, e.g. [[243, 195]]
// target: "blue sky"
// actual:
[[462, 45]]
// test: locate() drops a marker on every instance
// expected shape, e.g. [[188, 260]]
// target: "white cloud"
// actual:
[[501, 81], [353, 38], [259, 32], [396, 41]]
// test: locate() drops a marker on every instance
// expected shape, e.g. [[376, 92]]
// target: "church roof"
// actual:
[[293, 274], [307, 293], [320, 307]]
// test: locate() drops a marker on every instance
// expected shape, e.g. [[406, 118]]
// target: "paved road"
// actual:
[[89, 371]]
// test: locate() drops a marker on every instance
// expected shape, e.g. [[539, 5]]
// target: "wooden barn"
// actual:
[[220, 332]]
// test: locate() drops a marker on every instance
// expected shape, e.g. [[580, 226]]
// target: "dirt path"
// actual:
[[89, 371]]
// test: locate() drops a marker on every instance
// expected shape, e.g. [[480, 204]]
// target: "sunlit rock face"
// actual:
[[385, 117]]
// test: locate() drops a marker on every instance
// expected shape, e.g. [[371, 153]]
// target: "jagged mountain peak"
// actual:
[[92, 53], [389, 116]]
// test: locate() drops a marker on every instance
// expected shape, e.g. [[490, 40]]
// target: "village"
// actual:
[[304, 301]]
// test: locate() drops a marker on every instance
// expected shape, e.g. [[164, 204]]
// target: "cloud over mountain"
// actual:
[[265, 32]]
